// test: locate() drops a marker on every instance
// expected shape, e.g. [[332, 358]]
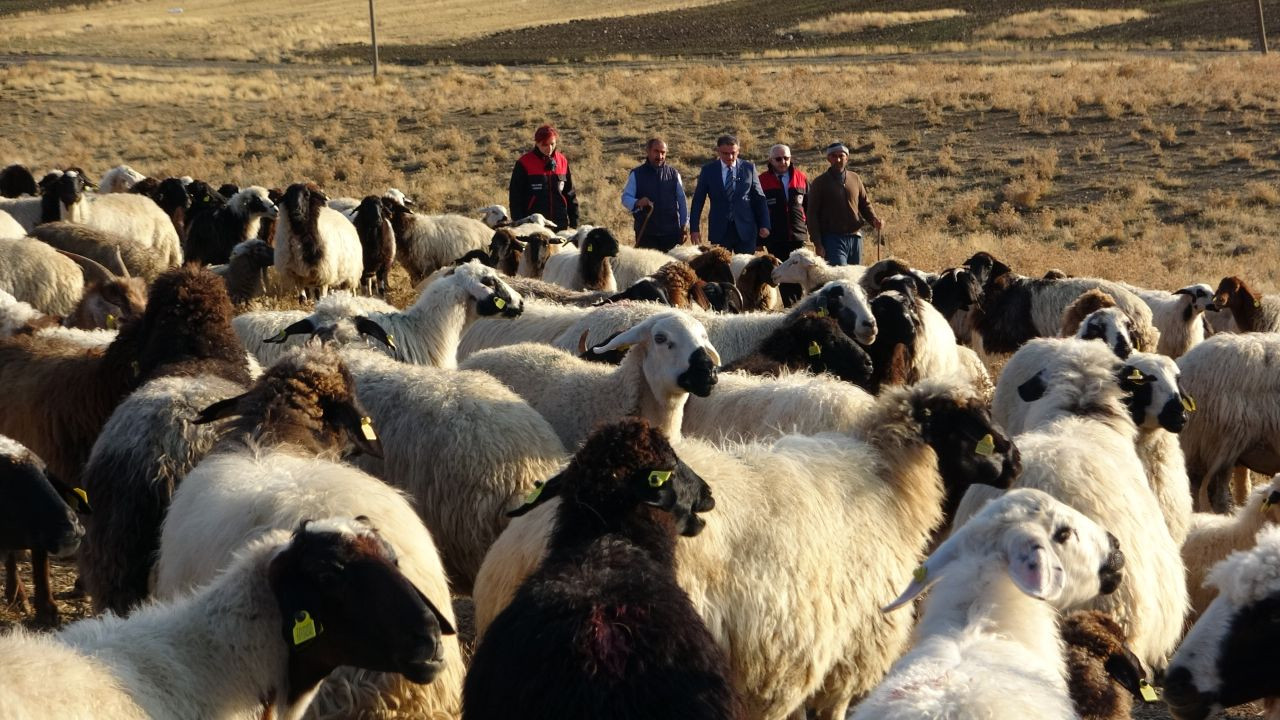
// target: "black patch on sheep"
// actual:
[[170, 194], [64, 190], [602, 629], [644, 290], [377, 241], [203, 198], [1033, 389], [369, 328], [365, 612], [505, 251], [1109, 575], [35, 513], [609, 357], [971, 448], [1004, 320], [832, 302], [500, 301], [985, 267], [16, 181], [485, 258], [720, 296], [597, 248], [700, 377], [1095, 328], [1245, 664], [214, 233], [956, 290], [1139, 390], [893, 351], [812, 343], [226, 190], [302, 204]]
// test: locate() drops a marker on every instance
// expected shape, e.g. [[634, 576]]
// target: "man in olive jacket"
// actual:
[[838, 208]]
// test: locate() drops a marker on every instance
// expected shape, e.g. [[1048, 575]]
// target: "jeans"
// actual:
[[734, 242], [843, 249]]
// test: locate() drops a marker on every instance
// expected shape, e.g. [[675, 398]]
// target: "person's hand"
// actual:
[[695, 237], [643, 203], [764, 233], [878, 223]]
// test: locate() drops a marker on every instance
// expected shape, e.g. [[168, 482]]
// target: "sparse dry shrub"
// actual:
[[964, 211], [1240, 152], [1004, 221], [946, 161], [1258, 193]]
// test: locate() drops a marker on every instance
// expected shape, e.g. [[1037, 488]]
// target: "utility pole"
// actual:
[[1262, 29], [373, 34]]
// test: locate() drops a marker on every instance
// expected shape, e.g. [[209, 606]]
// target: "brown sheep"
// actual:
[[1252, 311], [759, 291], [507, 251], [1103, 675], [677, 280], [1089, 302], [714, 265]]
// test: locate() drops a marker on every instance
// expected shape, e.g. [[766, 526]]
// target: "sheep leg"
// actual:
[[1241, 483], [15, 595], [1217, 490], [46, 608]]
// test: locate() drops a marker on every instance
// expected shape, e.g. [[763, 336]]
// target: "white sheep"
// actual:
[[316, 247], [10, 229], [27, 212], [669, 357], [750, 407], [15, 314], [35, 273], [1081, 448], [129, 215], [494, 216], [462, 445], [119, 179], [987, 644], [542, 321], [233, 498], [811, 272], [1234, 381], [799, 609], [633, 263], [426, 243], [585, 266], [269, 334], [1178, 315], [1212, 537], [255, 642]]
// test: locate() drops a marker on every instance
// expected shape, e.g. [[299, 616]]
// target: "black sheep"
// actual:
[[372, 218], [892, 353], [16, 181], [213, 233], [813, 343], [602, 629]]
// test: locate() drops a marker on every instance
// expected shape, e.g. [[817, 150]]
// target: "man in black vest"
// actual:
[[655, 198]]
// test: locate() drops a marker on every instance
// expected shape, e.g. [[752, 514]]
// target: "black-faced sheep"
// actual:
[[377, 242], [172, 197], [601, 628], [316, 247], [586, 267], [212, 234], [955, 292], [809, 343]]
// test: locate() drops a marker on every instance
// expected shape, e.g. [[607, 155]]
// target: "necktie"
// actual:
[[728, 180]]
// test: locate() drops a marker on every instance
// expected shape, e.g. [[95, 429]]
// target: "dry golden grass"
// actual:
[[1032, 160], [239, 30], [1056, 21], [839, 23]]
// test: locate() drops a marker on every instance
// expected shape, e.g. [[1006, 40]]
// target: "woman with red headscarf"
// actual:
[[541, 183]]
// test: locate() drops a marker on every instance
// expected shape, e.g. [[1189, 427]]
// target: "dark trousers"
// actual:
[[735, 242], [654, 241]]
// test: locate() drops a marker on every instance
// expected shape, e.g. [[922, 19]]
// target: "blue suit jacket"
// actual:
[[747, 206]]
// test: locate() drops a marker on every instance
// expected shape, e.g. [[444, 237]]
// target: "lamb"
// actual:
[[809, 343], [537, 249], [16, 181], [378, 241], [1094, 316], [987, 644], [1103, 674], [119, 179], [124, 214], [60, 395], [804, 268], [586, 267], [747, 407], [914, 453], [426, 333], [212, 235], [601, 628], [632, 263], [1223, 660], [759, 289], [37, 515], [1212, 537], [669, 357], [464, 447], [276, 465], [1251, 311], [245, 272], [1179, 316], [426, 243], [1081, 448], [255, 642], [120, 255], [316, 247], [1237, 422]]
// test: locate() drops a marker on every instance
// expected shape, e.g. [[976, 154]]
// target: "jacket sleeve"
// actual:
[[629, 193], [699, 197], [681, 203], [518, 192], [570, 198], [759, 205]]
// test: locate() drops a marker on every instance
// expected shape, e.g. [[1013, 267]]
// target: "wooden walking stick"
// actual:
[[645, 224], [880, 242]]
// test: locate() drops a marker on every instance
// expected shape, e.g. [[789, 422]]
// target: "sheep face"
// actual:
[[986, 268], [971, 448], [171, 194], [847, 303], [1227, 657], [1154, 392], [491, 295], [677, 355], [35, 513], [342, 601], [956, 291], [600, 243], [1049, 551], [69, 187], [644, 290], [826, 348], [1227, 291], [1200, 299], [254, 202], [505, 251], [1113, 327], [16, 181], [797, 268], [301, 201], [495, 216]]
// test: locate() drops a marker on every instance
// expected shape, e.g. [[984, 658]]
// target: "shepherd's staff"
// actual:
[[645, 224]]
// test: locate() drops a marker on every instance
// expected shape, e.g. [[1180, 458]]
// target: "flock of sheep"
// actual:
[[576, 479]]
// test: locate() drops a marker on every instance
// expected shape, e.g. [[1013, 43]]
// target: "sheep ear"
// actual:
[[365, 326], [1125, 668], [715, 356], [219, 410], [76, 498], [1033, 389], [630, 337], [1034, 567], [359, 427], [446, 627], [927, 574], [305, 326], [540, 494]]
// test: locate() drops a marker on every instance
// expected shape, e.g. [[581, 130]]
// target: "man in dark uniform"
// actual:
[[785, 189]]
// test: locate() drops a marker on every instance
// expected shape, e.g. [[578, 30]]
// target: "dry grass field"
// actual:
[[1115, 149]]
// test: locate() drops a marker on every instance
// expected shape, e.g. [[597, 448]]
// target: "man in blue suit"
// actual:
[[739, 213]]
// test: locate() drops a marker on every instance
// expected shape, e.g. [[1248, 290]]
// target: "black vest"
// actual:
[[659, 185]]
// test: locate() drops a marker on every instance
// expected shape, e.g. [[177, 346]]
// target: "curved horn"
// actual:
[[305, 326], [368, 327], [582, 342], [123, 271], [93, 270]]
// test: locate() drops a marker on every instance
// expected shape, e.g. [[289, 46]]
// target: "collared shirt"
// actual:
[[786, 183]]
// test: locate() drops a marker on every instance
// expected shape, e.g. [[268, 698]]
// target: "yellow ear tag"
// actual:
[[986, 445], [83, 495], [391, 341], [1257, 303], [1136, 375], [533, 494], [366, 429], [822, 312], [499, 302], [1148, 692], [304, 628], [111, 321], [658, 478], [919, 574], [1188, 403], [814, 348], [589, 247], [1266, 504]]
